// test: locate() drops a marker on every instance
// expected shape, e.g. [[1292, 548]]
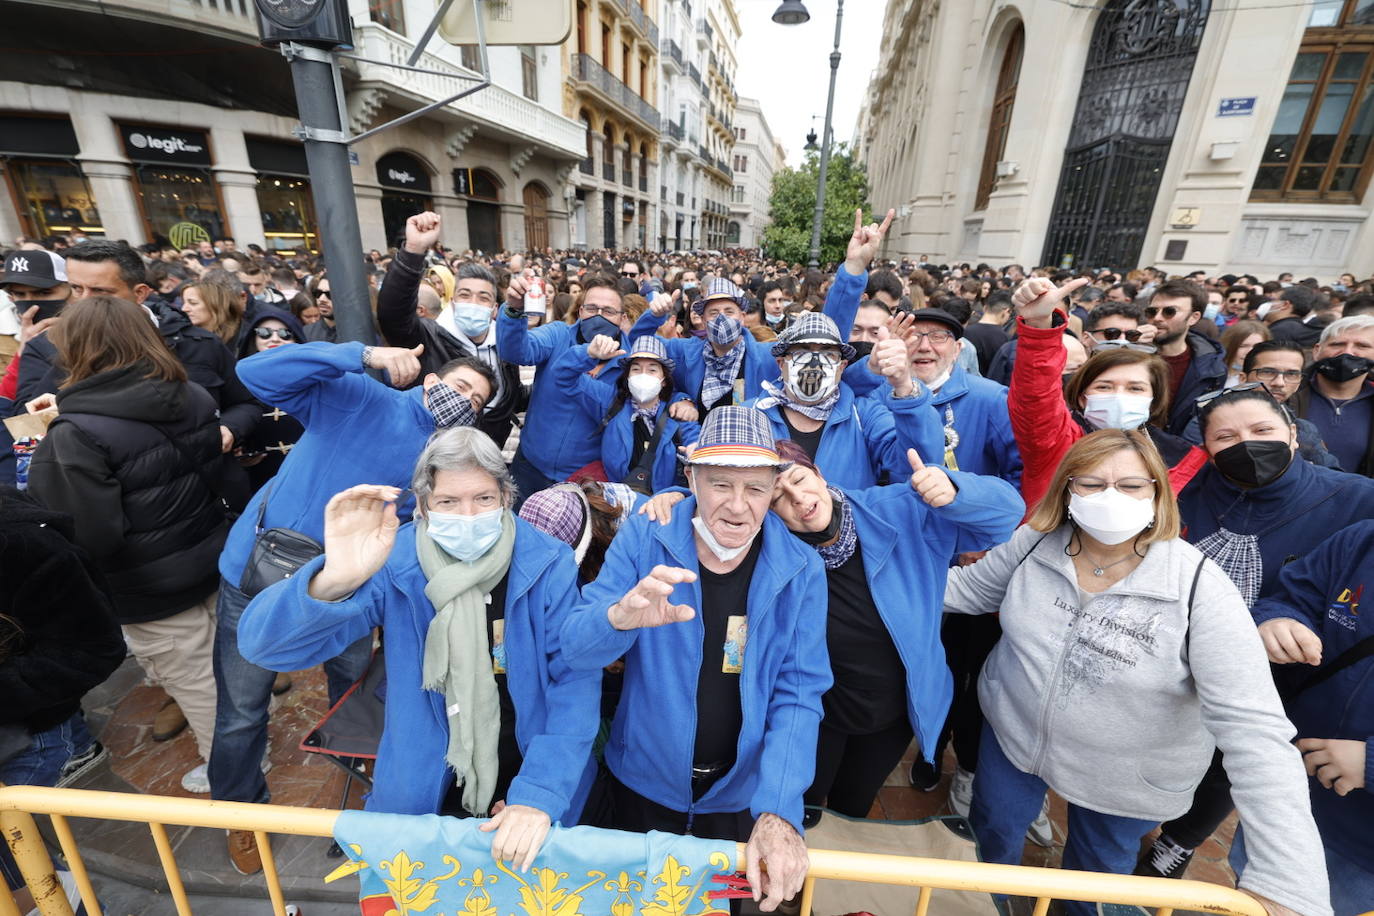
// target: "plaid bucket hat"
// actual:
[[648, 347], [813, 327], [736, 437], [720, 288]]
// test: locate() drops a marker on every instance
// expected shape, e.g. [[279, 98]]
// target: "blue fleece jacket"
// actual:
[[786, 670], [593, 398], [1290, 516], [906, 550], [1324, 591], [865, 439], [560, 440], [557, 709], [357, 430]]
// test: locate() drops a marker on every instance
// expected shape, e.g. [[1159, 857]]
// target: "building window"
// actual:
[[529, 73], [738, 194], [1321, 146], [1335, 13], [741, 164], [388, 13], [471, 57], [741, 133], [1002, 101], [53, 196]]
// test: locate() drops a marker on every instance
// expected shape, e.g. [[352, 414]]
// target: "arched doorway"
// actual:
[[536, 216], [1003, 100], [484, 211], [405, 192], [1139, 65]]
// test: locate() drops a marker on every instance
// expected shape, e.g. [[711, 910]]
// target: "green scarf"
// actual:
[[457, 660]]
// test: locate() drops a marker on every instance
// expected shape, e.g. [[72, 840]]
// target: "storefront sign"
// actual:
[[399, 170], [187, 235], [1236, 108], [161, 144]]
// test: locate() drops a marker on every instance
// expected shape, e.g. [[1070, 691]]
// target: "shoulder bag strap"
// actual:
[[1355, 654]]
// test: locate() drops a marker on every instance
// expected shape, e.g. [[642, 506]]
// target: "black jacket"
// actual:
[[1296, 330], [58, 635], [208, 362], [402, 326], [134, 460]]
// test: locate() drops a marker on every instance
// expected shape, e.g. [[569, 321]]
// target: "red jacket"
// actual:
[[1045, 428]]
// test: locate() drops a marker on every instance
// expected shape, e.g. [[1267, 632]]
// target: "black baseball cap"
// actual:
[[36, 267], [940, 316]]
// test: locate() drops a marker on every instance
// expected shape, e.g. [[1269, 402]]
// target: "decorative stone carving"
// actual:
[[363, 105], [519, 160], [457, 139]]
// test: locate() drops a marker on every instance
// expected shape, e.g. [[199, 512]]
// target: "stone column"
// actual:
[[454, 212], [513, 226], [238, 186], [370, 217], [108, 172]]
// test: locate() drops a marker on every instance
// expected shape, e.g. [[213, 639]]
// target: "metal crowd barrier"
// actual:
[[18, 805]]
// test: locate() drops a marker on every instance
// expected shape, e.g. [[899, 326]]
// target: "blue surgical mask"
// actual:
[[775, 319], [1211, 311], [588, 328], [472, 320], [465, 537], [724, 330]]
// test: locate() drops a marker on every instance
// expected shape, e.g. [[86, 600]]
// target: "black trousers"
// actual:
[[850, 769], [968, 641], [1211, 805], [614, 805]]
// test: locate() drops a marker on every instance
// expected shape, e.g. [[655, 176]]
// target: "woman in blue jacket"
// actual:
[[482, 715], [886, 552], [1313, 618], [632, 414]]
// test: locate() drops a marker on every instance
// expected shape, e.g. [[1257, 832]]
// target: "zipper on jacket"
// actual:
[[1045, 707]]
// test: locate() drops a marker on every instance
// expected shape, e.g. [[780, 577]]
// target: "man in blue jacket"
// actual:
[[1315, 618], [716, 617], [357, 430], [482, 715], [560, 441]]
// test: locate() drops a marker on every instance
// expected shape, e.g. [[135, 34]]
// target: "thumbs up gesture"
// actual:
[[1036, 299], [401, 364], [889, 359], [931, 484]]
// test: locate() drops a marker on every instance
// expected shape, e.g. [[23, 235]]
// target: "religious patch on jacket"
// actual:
[[498, 646], [951, 440], [736, 636], [432, 864]]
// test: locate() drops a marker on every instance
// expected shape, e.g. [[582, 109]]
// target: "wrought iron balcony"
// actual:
[[694, 73], [589, 71], [587, 166], [608, 171]]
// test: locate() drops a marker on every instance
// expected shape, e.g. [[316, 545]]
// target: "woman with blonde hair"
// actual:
[[1126, 659], [213, 307]]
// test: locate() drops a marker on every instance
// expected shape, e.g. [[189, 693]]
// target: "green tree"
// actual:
[[792, 206]]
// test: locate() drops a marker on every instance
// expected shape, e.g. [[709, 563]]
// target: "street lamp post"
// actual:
[[793, 12]]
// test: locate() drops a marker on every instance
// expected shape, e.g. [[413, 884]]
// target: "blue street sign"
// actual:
[[1236, 108]]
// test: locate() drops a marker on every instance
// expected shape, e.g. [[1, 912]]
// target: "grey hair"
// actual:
[[471, 270], [224, 278], [460, 449], [1342, 325]]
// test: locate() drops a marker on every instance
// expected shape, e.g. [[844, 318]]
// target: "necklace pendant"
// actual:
[[1097, 570]]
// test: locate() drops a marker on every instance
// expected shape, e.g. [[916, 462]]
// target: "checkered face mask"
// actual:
[[812, 374], [449, 407]]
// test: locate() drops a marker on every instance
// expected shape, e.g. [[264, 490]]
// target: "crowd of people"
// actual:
[[702, 543]]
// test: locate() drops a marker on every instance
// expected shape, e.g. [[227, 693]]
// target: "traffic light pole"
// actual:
[[319, 100]]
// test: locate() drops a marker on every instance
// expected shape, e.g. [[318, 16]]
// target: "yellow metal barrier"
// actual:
[[18, 804]]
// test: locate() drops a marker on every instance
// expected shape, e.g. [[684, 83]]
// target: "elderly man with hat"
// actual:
[[714, 613], [639, 436], [856, 441]]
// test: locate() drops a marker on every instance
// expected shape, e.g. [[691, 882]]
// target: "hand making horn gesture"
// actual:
[[1036, 299], [647, 604], [931, 484], [865, 242]]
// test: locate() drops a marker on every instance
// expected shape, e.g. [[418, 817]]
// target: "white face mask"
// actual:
[[812, 375], [938, 382], [1117, 411], [1111, 516], [644, 388], [1264, 310], [722, 553]]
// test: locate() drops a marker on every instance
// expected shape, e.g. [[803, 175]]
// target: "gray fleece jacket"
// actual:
[[1117, 700]]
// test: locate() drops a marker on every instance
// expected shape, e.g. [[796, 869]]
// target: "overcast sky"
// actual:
[[787, 68]]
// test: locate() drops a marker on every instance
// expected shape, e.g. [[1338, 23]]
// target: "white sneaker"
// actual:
[[1041, 832], [961, 791], [197, 780]]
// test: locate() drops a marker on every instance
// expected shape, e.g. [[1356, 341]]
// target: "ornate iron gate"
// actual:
[[1139, 65]]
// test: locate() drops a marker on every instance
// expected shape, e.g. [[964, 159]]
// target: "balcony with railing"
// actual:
[[496, 110], [705, 33], [610, 87], [694, 73], [704, 153], [670, 132], [672, 52], [608, 170]]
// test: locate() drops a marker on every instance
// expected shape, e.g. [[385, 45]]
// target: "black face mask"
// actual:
[[863, 349], [817, 538], [47, 308], [1255, 462], [1342, 368]]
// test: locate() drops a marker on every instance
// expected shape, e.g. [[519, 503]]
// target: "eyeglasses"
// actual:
[[1269, 373], [267, 333], [1132, 486], [1168, 311], [1116, 333], [605, 311], [935, 337], [1211, 396]]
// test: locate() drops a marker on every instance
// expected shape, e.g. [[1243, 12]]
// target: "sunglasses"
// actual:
[[1213, 396], [268, 333], [1168, 311], [1116, 333], [629, 273]]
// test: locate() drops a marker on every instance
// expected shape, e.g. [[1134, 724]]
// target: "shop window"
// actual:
[[180, 205], [288, 213], [1003, 99], [388, 13], [1321, 146], [53, 197], [529, 73]]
